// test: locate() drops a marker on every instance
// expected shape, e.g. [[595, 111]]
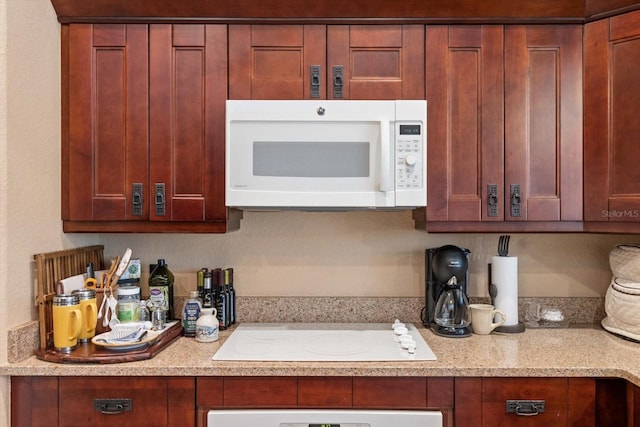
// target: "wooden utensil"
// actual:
[[124, 262]]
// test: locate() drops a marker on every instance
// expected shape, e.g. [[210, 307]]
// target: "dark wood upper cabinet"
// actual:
[[105, 138], [612, 103], [504, 128], [188, 89], [543, 122], [286, 61], [143, 128], [465, 125], [378, 62], [143, 105], [274, 61]]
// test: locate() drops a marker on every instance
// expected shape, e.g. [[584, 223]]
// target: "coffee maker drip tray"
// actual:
[[346, 342], [451, 332]]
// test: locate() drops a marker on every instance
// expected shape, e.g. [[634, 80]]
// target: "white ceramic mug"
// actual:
[[482, 316]]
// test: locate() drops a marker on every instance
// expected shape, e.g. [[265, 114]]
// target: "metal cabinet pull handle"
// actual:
[[338, 81], [113, 406], [532, 411], [516, 200], [159, 199], [526, 408], [314, 83], [492, 199]]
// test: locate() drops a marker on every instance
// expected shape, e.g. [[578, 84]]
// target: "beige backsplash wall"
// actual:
[[366, 254]]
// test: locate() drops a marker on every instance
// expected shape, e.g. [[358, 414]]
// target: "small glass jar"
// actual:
[[143, 311], [158, 318], [128, 302]]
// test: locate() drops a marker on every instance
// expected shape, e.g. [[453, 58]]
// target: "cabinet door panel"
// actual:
[[464, 76], [273, 62], [625, 92], [543, 125], [187, 95], [612, 90], [108, 128], [34, 401], [379, 61]]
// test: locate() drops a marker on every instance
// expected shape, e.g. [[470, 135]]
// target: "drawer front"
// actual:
[[322, 392], [390, 392], [552, 391], [139, 401], [267, 392]]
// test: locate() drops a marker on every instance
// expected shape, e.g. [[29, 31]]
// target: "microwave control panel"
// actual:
[[409, 156]]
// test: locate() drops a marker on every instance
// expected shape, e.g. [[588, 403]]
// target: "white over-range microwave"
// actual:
[[326, 154]]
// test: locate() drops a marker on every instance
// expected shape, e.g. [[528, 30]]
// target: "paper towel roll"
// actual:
[[504, 275]]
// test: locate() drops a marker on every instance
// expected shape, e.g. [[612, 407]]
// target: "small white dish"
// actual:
[[149, 338]]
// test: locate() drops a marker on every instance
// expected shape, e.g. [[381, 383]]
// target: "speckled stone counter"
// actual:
[[574, 352]]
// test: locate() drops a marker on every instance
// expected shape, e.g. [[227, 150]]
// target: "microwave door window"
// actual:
[[312, 159], [306, 164]]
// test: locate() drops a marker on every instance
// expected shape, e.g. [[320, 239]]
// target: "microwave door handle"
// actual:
[[385, 163]]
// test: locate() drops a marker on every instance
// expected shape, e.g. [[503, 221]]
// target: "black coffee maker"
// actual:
[[446, 309]]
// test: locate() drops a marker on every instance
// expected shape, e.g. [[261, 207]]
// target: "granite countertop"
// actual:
[[573, 352]]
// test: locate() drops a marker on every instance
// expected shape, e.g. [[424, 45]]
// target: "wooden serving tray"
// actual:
[[91, 353]]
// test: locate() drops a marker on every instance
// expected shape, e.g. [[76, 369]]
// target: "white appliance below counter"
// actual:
[[299, 342], [316, 418]]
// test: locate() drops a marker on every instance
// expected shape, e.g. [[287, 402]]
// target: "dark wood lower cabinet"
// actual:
[[185, 401], [34, 401], [102, 401], [632, 404], [569, 402]]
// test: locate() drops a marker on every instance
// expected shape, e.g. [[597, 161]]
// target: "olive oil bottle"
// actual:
[[161, 288]]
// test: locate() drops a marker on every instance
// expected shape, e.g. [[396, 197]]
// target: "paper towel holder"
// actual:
[[507, 329]]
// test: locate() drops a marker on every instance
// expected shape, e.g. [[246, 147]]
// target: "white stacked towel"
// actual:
[[622, 301]]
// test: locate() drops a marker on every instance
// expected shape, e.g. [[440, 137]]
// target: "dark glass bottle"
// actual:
[[228, 281], [161, 288], [207, 291], [200, 283], [221, 300]]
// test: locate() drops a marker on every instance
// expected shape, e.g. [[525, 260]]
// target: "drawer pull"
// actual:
[[526, 408], [113, 406]]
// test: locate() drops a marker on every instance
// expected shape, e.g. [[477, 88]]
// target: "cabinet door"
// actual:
[[34, 401], [105, 141], [612, 104], [274, 61], [188, 89], [377, 61], [278, 61], [464, 75], [543, 124]]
